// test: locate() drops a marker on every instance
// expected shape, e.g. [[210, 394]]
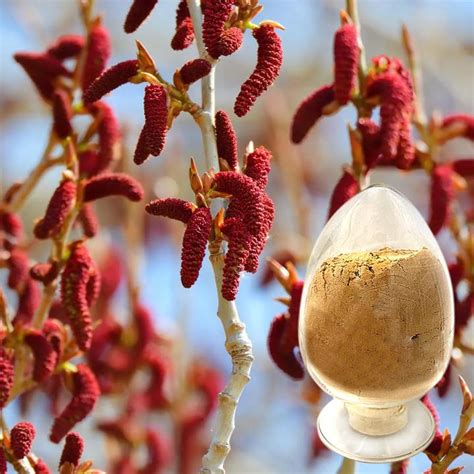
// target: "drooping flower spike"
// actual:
[[73, 449], [310, 111], [78, 280], [346, 188], [172, 208], [85, 393], [98, 53], [138, 13], [60, 204], [88, 220], [6, 377], [66, 46], [226, 139], [442, 194], [462, 124], [18, 264], [62, 114], [194, 70], [29, 300], [21, 439], [215, 14], [156, 118], [257, 166], [194, 245], [112, 184], [269, 61], [346, 61], [45, 357], [110, 79]]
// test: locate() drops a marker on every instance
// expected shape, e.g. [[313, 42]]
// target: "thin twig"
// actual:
[[237, 344]]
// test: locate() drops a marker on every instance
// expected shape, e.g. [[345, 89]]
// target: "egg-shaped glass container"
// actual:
[[376, 325]]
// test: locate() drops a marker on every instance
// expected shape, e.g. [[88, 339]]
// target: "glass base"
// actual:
[[338, 435]]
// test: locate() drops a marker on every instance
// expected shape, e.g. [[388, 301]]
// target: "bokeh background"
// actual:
[[274, 423]]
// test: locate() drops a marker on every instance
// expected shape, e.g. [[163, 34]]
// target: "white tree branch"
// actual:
[[237, 343]]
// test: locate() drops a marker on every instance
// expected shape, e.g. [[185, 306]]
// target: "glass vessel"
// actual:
[[376, 326]]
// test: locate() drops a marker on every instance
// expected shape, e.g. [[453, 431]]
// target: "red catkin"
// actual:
[[45, 356], [42, 69], [464, 167], [346, 188], [88, 162], [194, 70], [88, 220], [75, 280], [41, 468], [290, 337], [44, 272], [85, 393], [159, 452], [18, 264], [285, 360], [346, 61], [110, 79], [137, 14], [11, 224], [109, 136], [62, 114], [229, 41], [441, 196], [432, 408], [60, 204], [3, 461], [29, 300], [370, 133], [226, 139], [144, 325], [6, 377], [310, 111], [235, 257], [98, 53], [395, 97], [269, 61], [66, 46], [215, 14], [400, 467], [406, 149], [466, 123], [194, 245], [112, 184], [258, 166], [184, 34], [73, 449], [141, 153], [156, 118], [258, 242], [171, 207], [21, 439]]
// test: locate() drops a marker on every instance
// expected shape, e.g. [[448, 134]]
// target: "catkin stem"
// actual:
[[238, 344]]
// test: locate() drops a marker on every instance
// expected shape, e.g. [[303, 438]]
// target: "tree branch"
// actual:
[[237, 344]]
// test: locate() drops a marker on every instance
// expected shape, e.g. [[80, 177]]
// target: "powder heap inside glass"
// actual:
[[376, 324]]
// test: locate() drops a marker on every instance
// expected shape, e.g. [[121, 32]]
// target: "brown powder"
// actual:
[[377, 324]]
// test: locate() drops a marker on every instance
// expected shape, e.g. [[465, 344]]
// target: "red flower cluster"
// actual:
[[269, 61], [21, 439], [248, 219], [45, 357], [80, 283], [184, 35], [461, 125], [110, 79], [29, 300], [18, 264], [112, 184], [346, 61], [85, 393], [194, 70], [59, 207], [172, 208], [195, 239], [88, 220], [44, 272], [62, 113], [215, 14], [98, 53], [346, 188], [283, 336], [138, 13], [226, 139], [317, 104], [442, 194], [66, 47], [72, 451], [6, 377]]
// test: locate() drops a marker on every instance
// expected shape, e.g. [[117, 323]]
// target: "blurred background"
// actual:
[[274, 423]]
